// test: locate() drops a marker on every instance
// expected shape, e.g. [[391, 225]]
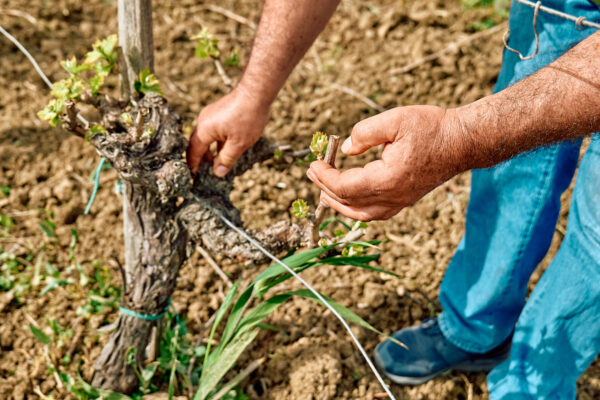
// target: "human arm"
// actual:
[[236, 121], [426, 145]]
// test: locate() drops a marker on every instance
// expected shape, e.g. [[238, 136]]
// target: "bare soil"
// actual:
[[48, 174]]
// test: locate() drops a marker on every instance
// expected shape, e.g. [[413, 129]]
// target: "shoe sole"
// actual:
[[468, 366]]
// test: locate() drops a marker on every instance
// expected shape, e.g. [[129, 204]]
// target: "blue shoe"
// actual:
[[430, 354]]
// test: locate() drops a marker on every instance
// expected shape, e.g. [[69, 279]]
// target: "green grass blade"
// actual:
[[223, 363], [97, 393], [333, 219], [258, 313], [234, 317], [344, 312], [220, 314], [292, 261]]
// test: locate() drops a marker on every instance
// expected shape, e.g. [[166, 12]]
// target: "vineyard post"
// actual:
[[136, 54]]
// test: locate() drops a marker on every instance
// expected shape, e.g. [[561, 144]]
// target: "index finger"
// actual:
[[356, 186], [196, 150]]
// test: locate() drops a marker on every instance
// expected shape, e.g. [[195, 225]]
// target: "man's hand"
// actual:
[[235, 122], [424, 146]]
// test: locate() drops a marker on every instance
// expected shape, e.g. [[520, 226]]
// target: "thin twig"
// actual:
[[448, 49], [239, 378], [358, 96], [22, 14], [329, 158], [214, 265], [224, 77], [38, 391], [469, 386], [230, 14]]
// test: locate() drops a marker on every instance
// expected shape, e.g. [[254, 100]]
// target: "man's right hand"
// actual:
[[235, 122]]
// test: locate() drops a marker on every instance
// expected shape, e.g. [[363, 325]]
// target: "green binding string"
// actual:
[[96, 185], [147, 317]]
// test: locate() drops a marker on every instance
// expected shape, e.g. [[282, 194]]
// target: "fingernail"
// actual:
[[347, 145], [221, 171]]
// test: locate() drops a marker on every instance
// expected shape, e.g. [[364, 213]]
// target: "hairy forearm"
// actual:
[[286, 31], [559, 102]]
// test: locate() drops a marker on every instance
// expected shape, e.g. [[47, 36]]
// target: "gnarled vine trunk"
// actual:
[[164, 209]]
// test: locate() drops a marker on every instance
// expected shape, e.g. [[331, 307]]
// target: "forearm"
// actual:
[[559, 102], [286, 31]]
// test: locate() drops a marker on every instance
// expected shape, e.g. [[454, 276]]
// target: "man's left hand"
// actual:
[[424, 147]]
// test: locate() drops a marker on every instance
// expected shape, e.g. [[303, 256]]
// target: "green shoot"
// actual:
[[318, 145], [300, 208], [100, 61], [147, 83], [233, 60], [207, 45], [52, 112]]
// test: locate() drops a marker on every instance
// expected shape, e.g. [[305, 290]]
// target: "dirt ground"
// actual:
[[48, 173]]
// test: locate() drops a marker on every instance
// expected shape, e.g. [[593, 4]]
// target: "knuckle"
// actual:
[[359, 131]]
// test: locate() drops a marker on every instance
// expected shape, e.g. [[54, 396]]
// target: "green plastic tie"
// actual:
[[96, 185], [147, 317]]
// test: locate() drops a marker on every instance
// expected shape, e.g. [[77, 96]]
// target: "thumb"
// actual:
[[227, 157], [369, 133]]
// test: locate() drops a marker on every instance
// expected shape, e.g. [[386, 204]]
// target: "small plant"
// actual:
[[103, 296], [300, 208], [243, 322], [98, 64], [233, 60], [207, 46], [318, 145]]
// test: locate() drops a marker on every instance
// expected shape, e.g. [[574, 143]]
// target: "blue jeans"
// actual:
[[511, 219]]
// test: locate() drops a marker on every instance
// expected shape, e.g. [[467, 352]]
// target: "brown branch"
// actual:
[[224, 77], [329, 158], [358, 96], [230, 14], [214, 265], [70, 121]]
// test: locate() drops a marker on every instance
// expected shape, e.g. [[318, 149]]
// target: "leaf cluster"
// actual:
[[89, 75], [207, 45]]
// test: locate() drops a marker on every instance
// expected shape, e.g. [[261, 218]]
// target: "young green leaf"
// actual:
[[207, 45], [40, 335], [147, 83], [318, 145], [73, 68], [233, 60], [95, 130], [300, 208], [52, 112]]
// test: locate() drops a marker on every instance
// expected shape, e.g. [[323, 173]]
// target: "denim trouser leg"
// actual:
[[558, 332], [514, 206]]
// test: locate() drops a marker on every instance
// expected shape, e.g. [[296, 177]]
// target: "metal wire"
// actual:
[[35, 65], [579, 21], [295, 275]]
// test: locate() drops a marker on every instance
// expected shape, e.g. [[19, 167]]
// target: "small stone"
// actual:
[[373, 294], [400, 291], [64, 190]]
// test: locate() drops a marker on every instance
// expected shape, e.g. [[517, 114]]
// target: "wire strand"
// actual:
[[579, 21], [306, 284]]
